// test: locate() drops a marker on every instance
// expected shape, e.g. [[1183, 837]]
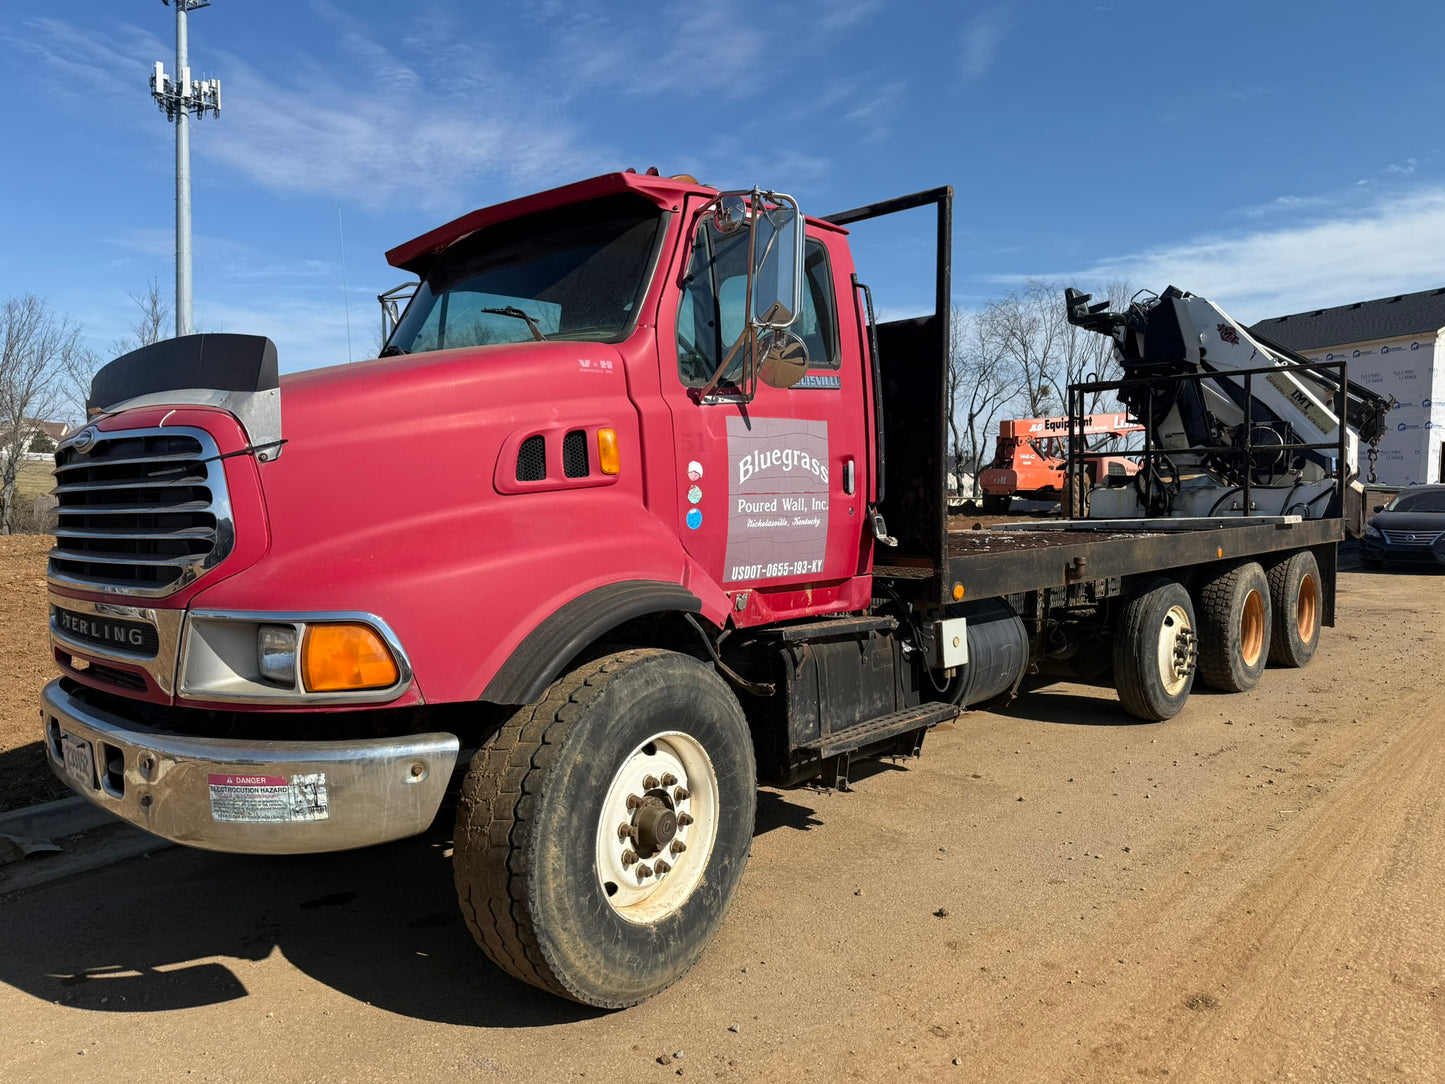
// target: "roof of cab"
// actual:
[[417, 254]]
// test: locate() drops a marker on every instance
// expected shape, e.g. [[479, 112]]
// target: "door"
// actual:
[[774, 491]]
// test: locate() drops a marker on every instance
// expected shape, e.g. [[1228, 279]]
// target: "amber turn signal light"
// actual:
[[609, 458], [338, 658]]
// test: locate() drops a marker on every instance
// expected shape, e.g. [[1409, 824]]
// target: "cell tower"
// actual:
[[178, 98]]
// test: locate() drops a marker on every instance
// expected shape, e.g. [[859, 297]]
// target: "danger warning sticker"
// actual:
[[268, 799]]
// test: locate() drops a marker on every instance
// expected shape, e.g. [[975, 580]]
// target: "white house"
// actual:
[[1393, 346]]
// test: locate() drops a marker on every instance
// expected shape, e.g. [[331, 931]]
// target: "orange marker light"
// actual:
[[1219, 552], [957, 591], [609, 458], [337, 658]]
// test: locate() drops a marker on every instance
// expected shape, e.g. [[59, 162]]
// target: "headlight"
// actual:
[[296, 657], [1371, 531], [276, 654]]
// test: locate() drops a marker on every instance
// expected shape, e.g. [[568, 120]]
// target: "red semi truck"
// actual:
[[598, 543]]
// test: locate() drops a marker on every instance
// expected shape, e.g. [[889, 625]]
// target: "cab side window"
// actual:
[[710, 316]]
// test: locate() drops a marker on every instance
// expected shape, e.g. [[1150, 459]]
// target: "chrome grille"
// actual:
[[1411, 538], [141, 512]]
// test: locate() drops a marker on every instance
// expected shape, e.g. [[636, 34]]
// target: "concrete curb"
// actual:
[[54, 820], [103, 841]]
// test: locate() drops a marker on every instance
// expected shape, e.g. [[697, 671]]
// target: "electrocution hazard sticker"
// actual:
[[268, 799]]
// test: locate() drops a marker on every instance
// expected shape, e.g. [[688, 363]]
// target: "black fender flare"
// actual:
[[549, 648]]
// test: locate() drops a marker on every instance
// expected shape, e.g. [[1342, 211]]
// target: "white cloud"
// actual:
[[682, 50], [161, 243], [981, 38], [837, 17], [370, 130], [873, 117], [87, 66], [1393, 245]]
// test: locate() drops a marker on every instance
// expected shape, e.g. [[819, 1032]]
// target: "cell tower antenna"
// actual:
[[179, 97]]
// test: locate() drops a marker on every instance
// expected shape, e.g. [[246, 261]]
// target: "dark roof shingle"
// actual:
[[1421, 313]]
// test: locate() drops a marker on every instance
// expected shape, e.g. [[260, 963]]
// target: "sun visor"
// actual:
[[236, 373]]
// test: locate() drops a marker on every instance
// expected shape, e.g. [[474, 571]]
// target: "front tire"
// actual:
[[1235, 622], [1154, 651], [602, 832]]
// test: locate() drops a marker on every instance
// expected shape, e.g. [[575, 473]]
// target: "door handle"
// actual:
[[848, 480]]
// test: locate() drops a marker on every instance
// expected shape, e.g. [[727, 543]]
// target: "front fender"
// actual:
[[548, 649]]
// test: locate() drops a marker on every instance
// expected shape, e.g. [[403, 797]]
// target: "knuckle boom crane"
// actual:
[[1234, 424]]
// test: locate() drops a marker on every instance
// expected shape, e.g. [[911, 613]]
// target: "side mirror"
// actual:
[[774, 290], [777, 265], [782, 358], [731, 214], [1379, 508]]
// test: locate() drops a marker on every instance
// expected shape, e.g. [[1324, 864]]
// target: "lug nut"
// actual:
[[644, 872], [678, 846], [625, 830], [633, 801], [628, 857], [680, 794], [649, 782], [662, 867], [669, 779], [684, 818]]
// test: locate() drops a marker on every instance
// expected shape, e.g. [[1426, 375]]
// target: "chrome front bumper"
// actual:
[[278, 797]]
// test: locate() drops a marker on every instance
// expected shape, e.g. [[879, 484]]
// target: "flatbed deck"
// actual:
[[1012, 558]]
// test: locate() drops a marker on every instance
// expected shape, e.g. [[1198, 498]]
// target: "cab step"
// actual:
[[885, 726], [835, 749]]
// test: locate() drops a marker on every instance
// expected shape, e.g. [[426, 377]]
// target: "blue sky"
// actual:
[[1274, 157]]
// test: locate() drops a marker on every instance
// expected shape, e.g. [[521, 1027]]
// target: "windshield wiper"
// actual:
[[512, 310]]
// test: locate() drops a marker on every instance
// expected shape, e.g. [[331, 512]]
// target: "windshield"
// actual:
[[1428, 500], [576, 272]]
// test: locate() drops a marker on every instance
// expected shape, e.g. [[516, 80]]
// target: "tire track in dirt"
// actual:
[[1296, 936]]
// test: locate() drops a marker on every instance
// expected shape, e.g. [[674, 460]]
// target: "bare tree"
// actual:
[[36, 346], [1087, 355], [1029, 326], [150, 326], [1048, 353], [981, 382]]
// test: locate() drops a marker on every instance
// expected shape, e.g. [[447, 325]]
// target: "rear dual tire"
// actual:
[[1235, 622], [1298, 600]]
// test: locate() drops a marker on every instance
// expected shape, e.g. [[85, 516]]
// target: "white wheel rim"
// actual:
[[1175, 650], [646, 876]]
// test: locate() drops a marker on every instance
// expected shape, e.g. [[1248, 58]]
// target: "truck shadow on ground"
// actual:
[[183, 929], [28, 778]]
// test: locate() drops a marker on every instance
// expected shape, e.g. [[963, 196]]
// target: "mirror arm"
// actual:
[[708, 388]]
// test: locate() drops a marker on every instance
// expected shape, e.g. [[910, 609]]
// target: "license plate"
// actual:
[[79, 760]]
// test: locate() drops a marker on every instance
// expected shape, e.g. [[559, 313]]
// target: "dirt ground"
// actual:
[[25, 666], [1248, 892]]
